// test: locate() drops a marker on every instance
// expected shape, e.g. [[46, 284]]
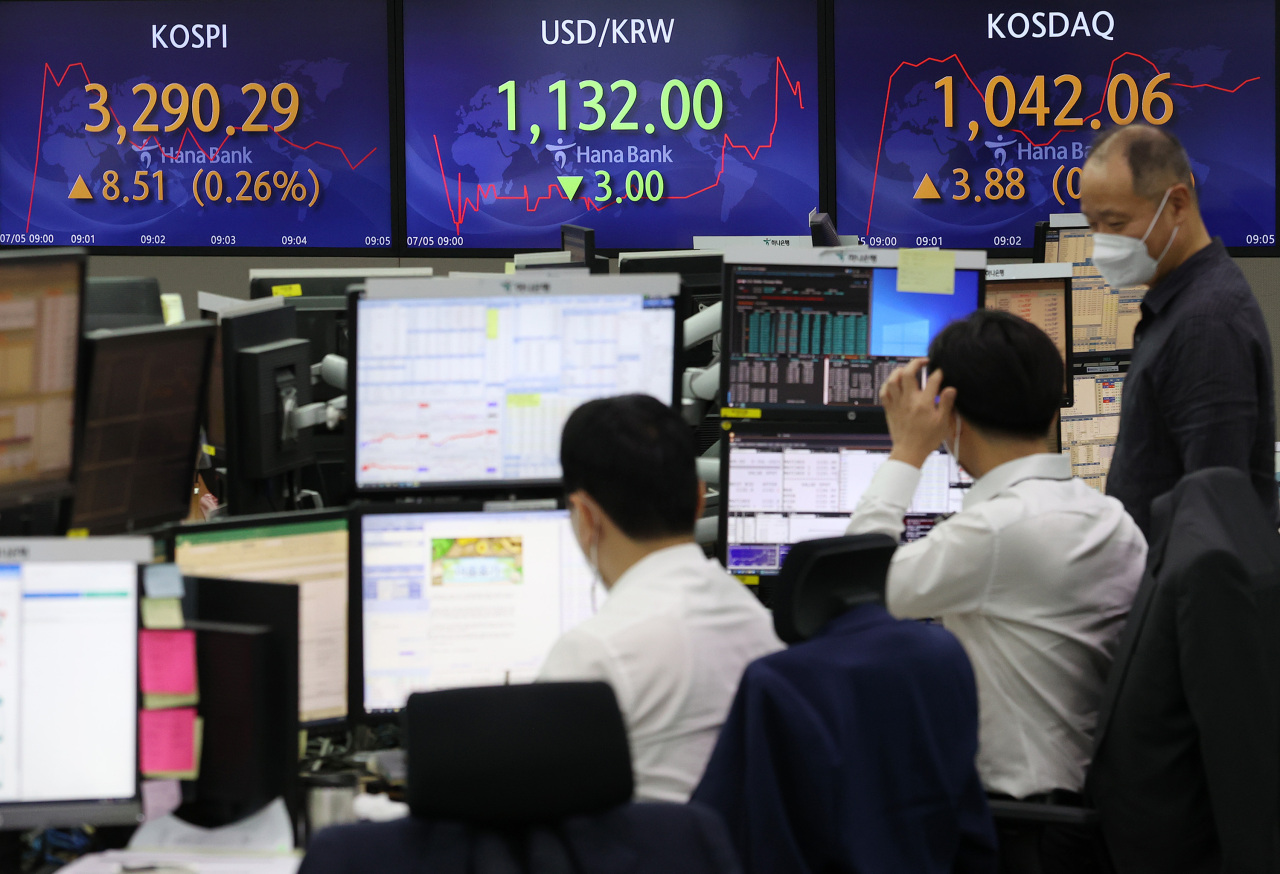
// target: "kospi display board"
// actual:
[[182, 124]]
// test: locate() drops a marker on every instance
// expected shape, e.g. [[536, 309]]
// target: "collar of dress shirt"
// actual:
[[658, 565], [1039, 466], [1180, 277]]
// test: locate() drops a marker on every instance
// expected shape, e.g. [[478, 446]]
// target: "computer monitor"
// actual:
[[69, 681], [460, 598], [322, 281], [1091, 425], [307, 549], [1103, 318], [1041, 294], [701, 273], [142, 400], [784, 483], [816, 333], [468, 382], [121, 302], [580, 243], [40, 301]]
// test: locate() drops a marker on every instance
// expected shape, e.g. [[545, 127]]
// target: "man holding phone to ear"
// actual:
[[1035, 575]]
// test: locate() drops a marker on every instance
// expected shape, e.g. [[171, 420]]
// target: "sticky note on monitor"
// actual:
[[168, 742], [162, 581], [927, 271], [161, 613], [167, 662]]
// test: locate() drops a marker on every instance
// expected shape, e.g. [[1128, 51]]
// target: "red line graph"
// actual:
[[956, 57], [490, 192], [186, 131]]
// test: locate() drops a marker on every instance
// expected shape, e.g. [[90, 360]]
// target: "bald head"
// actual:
[[1155, 159]]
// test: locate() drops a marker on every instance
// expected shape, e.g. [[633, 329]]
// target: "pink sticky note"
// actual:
[[167, 662], [167, 740]]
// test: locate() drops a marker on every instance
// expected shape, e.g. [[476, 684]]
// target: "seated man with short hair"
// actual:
[[1036, 574], [676, 631]]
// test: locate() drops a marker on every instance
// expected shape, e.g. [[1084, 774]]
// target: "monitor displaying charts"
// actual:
[[69, 680], [309, 550], [469, 381], [786, 483], [820, 333], [1091, 425], [455, 599]]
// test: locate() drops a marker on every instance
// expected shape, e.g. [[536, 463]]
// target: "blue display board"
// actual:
[[170, 124], [962, 125], [697, 118]]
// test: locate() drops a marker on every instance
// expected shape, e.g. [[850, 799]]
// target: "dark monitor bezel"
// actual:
[[168, 540], [137, 318], [872, 413], [96, 343], [492, 489], [22, 493], [355, 611]]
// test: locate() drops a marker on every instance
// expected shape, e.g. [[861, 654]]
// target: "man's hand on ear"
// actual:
[[918, 418]]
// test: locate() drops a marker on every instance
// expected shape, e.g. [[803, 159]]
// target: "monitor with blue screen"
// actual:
[[819, 333]]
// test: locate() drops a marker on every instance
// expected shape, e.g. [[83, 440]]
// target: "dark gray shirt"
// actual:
[[1198, 393]]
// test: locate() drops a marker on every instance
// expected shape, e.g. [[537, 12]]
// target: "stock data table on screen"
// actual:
[[1089, 428], [465, 599], [814, 337], [785, 486], [1103, 318], [475, 386], [961, 125], [157, 125], [699, 118], [1042, 295]]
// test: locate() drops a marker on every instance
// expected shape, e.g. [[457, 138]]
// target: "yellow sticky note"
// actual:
[[77, 532], [524, 400], [928, 271], [286, 291], [210, 450], [491, 324], [509, 268], [161, 613], [739, 413], [748, 579]]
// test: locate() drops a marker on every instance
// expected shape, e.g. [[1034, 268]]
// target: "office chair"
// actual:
[[853, 750], [534, 778]]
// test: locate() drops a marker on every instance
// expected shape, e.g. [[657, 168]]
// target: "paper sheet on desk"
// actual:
[[268, 830], [113, 861]]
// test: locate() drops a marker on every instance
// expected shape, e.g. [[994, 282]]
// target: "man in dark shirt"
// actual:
[[1199, 389]]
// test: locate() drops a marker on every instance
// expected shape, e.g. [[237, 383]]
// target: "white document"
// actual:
[[268, 831]]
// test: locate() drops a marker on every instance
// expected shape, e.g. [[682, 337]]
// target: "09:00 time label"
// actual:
[[433, 241]]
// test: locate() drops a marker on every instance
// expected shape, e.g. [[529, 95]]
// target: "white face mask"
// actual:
[[592, 554], [1124, 261], [956, 453]]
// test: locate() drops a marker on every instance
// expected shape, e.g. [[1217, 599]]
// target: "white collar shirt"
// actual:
[[1035, 577], [672, 638]]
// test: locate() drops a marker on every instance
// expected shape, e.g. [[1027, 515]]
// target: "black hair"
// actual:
[[1007, 373], [638, 459], [1156, 158]]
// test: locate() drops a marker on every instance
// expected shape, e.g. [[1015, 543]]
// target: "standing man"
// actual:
[[1199, 389]]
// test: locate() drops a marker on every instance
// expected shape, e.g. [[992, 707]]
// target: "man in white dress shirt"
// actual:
[[676, 631], [1036, 574]]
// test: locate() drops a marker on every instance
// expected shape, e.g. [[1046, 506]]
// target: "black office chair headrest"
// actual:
[[516, 755], [821, 579]]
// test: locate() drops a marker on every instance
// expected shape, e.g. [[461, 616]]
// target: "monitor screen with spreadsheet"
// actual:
[[453, 599], [806, 338], [469, 381], [309, 550], [1103, 318], [1041, 294], [1090, 426], [40, 304], [69, 681], [781, 485]]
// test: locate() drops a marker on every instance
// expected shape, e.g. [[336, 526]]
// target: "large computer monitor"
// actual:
[[817, 333], [142, 400], [322, 281], [40, 300], [121, 302], [309, 550], [69, 681], [701, 273], [467, 598], [1090, 426], [1041, 294], [1103, 318], [784, 483], [467, 382]]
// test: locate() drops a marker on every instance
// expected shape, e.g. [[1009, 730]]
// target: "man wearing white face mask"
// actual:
[[1199, 389], [676, 631], [1035, 575]]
